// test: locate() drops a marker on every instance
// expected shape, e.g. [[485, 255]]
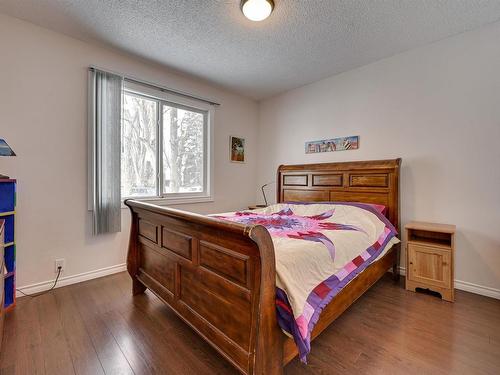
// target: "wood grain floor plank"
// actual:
[[57, 359], [433, 326], [186, 342], [387, 331], [164, 347], [128, 331], [108, 311], [108, 351], [22, 350], [82, 351]]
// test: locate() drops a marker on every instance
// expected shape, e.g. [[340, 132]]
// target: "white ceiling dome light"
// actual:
[[257, 10]]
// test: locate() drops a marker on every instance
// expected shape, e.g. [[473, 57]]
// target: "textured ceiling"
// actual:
[[303, 40]]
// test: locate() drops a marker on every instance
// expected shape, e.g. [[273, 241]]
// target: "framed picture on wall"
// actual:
[[334, 144], [237, 149]]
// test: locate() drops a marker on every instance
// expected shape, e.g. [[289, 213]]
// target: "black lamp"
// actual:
[[5, 150], [264, 193]]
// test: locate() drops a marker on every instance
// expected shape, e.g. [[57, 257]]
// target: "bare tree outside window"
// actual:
[[139, 147], [182, 150]]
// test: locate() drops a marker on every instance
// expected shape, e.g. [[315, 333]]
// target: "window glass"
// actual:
[[139, 147], [183, 150]]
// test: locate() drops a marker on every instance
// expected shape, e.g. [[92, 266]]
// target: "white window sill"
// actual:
[[172, 201]]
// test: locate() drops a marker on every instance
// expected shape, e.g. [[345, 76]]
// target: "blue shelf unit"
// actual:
[[8, 212]]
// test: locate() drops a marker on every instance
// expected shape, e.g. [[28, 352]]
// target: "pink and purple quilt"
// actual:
[[319, 248]]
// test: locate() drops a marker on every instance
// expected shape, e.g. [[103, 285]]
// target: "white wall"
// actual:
[[43, 96], [437, 107]]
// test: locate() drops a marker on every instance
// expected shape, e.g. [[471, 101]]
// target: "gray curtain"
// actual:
[[105, 109]]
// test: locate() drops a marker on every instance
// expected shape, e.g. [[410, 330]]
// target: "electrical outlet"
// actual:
[[59, 263]]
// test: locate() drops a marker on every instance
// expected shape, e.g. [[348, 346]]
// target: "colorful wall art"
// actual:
[[334, 144]]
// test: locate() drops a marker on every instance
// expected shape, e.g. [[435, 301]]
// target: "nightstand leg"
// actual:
[[410, 286], [448, 295]]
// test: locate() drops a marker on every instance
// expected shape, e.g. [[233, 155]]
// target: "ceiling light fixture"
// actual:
[[257, 10]]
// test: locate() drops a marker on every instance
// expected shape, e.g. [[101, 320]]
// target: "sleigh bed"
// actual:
[[220, 276]]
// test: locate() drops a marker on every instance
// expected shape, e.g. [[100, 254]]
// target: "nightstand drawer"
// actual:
[[429, 265]]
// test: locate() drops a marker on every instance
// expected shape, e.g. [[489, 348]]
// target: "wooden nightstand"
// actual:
[[429, 257]]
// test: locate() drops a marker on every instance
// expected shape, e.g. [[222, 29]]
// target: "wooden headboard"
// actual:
[[375, 181]]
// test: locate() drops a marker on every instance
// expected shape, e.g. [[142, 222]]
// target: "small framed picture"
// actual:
[[237, 149]]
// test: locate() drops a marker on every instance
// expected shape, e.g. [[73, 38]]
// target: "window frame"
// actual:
[[164, 98]]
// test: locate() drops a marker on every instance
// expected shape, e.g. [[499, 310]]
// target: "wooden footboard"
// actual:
[[217, 276]]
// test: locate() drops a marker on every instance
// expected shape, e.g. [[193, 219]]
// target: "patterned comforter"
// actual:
[[319, 248]]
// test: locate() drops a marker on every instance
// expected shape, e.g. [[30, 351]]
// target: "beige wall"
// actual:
[[437, 107], [43, 88]]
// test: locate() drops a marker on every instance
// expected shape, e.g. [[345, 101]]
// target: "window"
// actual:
[[165, 149]]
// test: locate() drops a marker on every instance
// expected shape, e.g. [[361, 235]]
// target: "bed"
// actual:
[[219, 276]]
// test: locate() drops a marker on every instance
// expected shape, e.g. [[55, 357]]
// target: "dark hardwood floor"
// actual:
[[97, 327]]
